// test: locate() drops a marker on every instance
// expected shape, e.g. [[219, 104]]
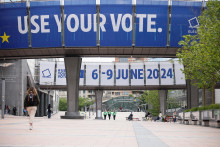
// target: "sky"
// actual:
[[112, 59]]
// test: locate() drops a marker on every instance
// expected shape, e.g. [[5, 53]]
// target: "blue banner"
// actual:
[[80, 23], [184, 20], [13, 32], [45, 24], [115, 23], [151, 23]]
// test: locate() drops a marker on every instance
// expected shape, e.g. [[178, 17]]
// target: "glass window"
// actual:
[[123, 59], [117, 93]]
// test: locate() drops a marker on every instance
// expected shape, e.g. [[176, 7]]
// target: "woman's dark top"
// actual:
[[49, 109], [31, 100]]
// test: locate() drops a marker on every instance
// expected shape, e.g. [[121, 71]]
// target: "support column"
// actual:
[[42, 105], [3, 98], [73, 66], [49, 97], [163, 101], [99, 95], [45, 104], [192, 95]]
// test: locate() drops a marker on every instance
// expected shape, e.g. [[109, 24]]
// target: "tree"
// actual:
[[172, 103], [200, 53], [151, 98], [84, 102], [63, 104]]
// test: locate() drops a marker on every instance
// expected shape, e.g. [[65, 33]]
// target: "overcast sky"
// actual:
[[98, 59], [112, 59]]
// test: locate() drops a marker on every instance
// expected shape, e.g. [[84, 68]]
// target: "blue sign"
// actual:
[[80, 23], [45, 24], [115, 23], [61, 73], [184, 20], [151, 23], [46, 73], [12, 30]]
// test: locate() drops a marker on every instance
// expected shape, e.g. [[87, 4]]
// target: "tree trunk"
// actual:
[[203, 98], [213, 91]]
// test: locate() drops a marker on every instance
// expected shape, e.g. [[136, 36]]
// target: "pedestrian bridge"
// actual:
[[116, 76], [59, 28]]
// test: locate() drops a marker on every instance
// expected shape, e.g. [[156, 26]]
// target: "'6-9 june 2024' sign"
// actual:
[[119, 74], [80, 23]]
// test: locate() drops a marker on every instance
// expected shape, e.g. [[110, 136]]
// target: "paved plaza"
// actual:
[[89, 132]]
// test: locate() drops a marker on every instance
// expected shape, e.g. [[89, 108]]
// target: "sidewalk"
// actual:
[[56, 132]]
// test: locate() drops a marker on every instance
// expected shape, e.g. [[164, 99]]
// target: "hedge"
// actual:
[[210, 107]]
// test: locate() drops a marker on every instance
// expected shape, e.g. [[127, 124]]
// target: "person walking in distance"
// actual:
[[114, 114], [30, 104], [105, 114], [109, 114], [49, 111]]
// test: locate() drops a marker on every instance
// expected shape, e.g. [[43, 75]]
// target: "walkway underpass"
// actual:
[[122, 104]]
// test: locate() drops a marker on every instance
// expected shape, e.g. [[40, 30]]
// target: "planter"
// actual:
[[217, 114], [180, 115], [195, 115], [187, 115], [207, 114]]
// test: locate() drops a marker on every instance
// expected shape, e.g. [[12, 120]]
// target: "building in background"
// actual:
[[19, 76]]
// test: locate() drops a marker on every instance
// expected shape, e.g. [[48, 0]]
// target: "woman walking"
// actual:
[[30, 104]]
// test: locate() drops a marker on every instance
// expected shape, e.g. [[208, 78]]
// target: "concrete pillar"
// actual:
[[73, 66], [49, 97], [163, 101], [99, 95], [42, 104], [192, 95], [45, 104]]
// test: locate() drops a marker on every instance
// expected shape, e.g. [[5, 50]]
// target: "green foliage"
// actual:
[[82, 103], [194, 109], [203, 108], [210, 107], [200, 53], [130, 95], [188, 110], [85, 102], [151, 97], [63, 104], [172, 103], [214, 106]]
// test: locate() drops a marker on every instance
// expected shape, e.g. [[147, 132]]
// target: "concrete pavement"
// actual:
[[56, 132]]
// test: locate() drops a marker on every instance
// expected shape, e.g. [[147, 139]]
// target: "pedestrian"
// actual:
[[14, 110], [9, 110], [30, 104], [160, 116], [49, 109], [130, 117], [109, 114], [174, 116], [114, 114], [105, 114]]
